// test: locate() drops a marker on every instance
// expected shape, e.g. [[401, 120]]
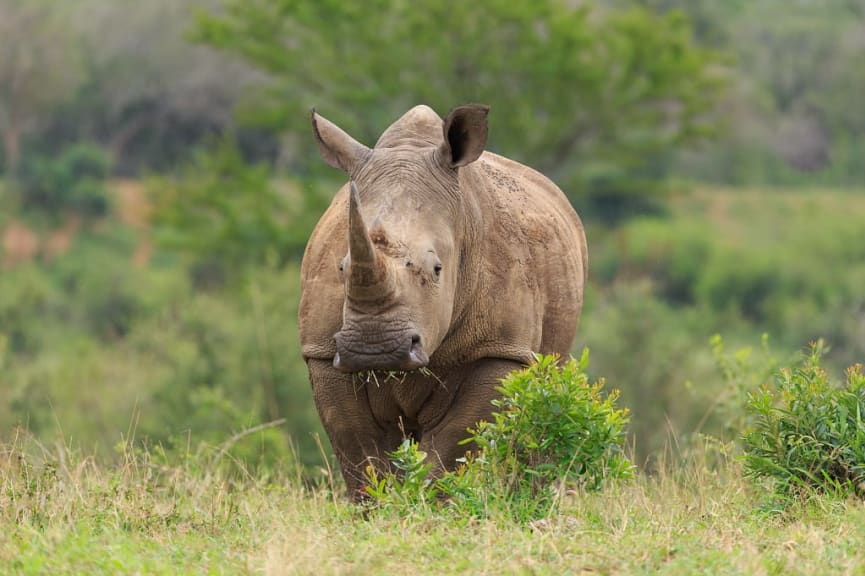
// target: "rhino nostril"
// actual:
[[417, 356]]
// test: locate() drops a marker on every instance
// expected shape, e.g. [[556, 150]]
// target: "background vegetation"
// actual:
[[159, 183]]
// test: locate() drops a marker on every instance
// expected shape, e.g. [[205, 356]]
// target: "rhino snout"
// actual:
[[354, 353]]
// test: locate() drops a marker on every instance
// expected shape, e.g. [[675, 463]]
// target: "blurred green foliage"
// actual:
[[96, 350], [72, 183], [610, 95], [228, 216], [793, 115], [595, 99], [815, 256], [728, 261]]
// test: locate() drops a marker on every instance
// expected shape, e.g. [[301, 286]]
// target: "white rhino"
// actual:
[[439, 261]]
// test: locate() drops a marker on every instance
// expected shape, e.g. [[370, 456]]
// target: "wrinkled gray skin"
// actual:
[[435, 255]]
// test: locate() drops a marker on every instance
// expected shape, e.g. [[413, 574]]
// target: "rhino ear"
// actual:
[[465, 134], [337, 148]]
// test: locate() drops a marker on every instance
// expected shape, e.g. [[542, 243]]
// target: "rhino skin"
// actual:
[[436, 255]]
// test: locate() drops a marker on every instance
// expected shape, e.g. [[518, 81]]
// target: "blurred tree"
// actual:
[[39, 68], [799, 66], [596, 95], [795, 113], [709, 17], [586, 95], [228, 216], [149, 96], [71, 184]]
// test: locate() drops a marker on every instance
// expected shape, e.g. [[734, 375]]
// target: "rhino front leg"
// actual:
[[355, 436], [475, 387]]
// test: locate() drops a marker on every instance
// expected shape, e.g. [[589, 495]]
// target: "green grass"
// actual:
[[65, 514], [754, 216]]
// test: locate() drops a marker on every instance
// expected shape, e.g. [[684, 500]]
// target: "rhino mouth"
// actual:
[[404, 354]]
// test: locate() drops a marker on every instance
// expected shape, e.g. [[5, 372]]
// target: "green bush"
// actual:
[[553, 432], [809, 433], [228, 216], [73, 182], [553, 425], [411, 487], [671, 253]]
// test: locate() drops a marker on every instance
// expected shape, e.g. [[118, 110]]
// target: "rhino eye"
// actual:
[[438, 270]]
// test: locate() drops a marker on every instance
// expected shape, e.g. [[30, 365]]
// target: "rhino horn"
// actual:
[[359, 243], [368, 276]]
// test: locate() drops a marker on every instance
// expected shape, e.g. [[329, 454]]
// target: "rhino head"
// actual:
[[407, 234]]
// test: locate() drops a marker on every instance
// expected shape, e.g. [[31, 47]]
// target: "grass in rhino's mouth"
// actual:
[[379, 377]]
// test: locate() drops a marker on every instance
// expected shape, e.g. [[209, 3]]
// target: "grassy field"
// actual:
[[761, 216], [65, 514]]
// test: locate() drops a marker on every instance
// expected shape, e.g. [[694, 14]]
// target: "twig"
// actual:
[[226, 446]]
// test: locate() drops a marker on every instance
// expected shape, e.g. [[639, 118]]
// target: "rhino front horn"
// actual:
[[360, 246], [368, 276]]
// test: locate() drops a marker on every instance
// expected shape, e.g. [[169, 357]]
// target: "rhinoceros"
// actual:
[[438, 269]]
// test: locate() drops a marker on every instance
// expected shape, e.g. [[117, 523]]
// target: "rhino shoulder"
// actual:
[[532, 259], [529, 204]]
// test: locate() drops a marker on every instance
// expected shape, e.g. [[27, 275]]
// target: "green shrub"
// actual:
[[673, 254], [553, 425], [73, 182], [553, 432], [809, 433], [411, 487], [745, 282], [228, 216]]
